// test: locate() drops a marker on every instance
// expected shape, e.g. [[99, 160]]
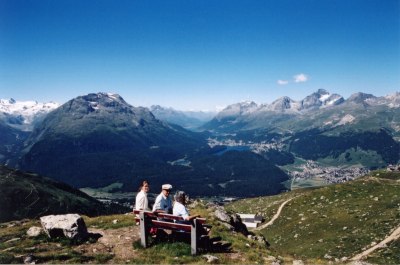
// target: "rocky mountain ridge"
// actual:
[[318, 100]]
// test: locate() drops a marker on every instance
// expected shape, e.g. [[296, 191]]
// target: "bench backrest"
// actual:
[[147, 213], [166, 216], [172, 226], [178, 218]]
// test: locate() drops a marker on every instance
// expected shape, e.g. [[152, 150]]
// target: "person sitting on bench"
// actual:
[[141, 202], [163, 201], [180, 209]]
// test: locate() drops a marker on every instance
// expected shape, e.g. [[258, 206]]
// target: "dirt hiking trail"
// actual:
[[395, 235], [278, 213]]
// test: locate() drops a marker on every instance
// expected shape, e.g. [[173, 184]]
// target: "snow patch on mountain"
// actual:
[[113, 96], [393, 100], [324, 97], [332, 100], [321, 99], [346, 119], [24, 114]]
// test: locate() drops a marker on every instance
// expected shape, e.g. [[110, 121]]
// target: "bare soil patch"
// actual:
[[117, 242]]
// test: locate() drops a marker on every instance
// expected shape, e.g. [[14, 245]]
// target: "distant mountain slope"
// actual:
[[98, 139], [315, 144], [333, 223], [190, 120], [27, 195], [11, 141], [233, 173]]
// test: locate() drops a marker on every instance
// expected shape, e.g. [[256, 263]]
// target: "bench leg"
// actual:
[[143, 230], [194, 244]]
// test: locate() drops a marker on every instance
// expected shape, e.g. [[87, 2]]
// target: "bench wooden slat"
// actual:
[[171, 226], [147, 213], [178, 218], [170, 217], [167, 216]]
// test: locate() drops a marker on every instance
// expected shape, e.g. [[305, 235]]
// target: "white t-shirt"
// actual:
[[162, 203], [141, 202], [180, 210]]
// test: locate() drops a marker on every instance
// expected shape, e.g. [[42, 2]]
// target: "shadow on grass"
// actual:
[[206, 244], [93, 237]]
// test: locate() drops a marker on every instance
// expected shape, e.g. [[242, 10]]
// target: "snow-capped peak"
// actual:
[[320, 99], [284, 104], [11, 106], [23, 114], [241, 108]]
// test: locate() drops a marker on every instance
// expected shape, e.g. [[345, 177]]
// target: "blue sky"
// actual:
[[198, 55]]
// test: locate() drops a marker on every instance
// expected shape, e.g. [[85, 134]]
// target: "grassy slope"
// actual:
[[337, 221], [63, 251], [26, 195]]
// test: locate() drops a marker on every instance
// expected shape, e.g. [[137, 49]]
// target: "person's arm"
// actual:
[[157, 204], [191, 217], [187, 217]]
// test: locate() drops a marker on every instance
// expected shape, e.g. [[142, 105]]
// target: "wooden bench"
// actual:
[[148, 220]]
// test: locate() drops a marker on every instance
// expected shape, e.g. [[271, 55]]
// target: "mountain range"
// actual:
[[99, 139], [362, 130], [334, 108]]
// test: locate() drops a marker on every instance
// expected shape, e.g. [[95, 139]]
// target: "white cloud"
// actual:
[[282, 82], [300, 78]]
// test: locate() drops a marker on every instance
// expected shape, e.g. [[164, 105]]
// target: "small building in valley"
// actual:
[[250, 220]]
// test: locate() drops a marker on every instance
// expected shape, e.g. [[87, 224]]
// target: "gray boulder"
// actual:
[[232, 222], [260, 239], [34, 231], [66, 225], [238, 225], [221, 214]]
